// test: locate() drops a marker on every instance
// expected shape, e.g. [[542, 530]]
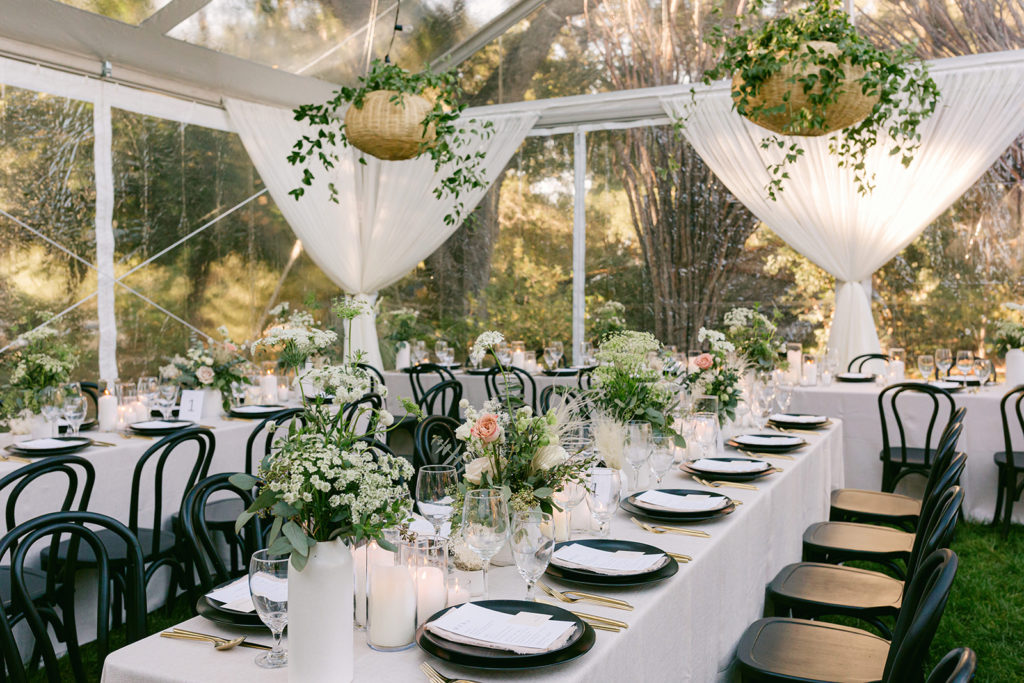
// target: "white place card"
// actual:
[[670, 501], [191, 407], [232, 592], [730, 466], [505, 630], [620, 561], [767, 440]]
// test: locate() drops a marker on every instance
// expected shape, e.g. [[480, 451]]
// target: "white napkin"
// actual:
[[765, 440], [854, 375], [659, 500], [157, 424], [729, 466], [421, 527], [46, 444], [618, 563], [526, 633], [799, 419], [257, 409], [234, 596]]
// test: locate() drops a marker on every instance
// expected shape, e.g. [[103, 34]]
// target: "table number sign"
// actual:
[[191, 407]]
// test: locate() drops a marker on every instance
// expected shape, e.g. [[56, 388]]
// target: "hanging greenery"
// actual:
[[394, 114], [810, 73]]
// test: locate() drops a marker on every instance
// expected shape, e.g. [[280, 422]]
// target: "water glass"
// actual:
[[73, 410], [943, 361], [964, 362], [51, 403], [569, 497], [705, 432], [604, 489], [662, 456], [148, 389], [586, 354], [926, 365], [268, 584], [557, 350], [485, 525], [434, 484], [441, 351], [167, 398], [532, 542], [503, 352], [982, 370], [637, 447]]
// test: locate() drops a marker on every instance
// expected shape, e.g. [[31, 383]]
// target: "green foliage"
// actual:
[[451, 134], [906, 94], [41, 358], [754, 336], [606, 320]]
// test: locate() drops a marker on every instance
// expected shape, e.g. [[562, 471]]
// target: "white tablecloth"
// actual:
[[857, 405], [683, 629]]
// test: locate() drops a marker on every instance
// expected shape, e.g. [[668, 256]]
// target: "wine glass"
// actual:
[[586, 353], [926, 365], [783, 396], [637, 447], [268, 584], [238, 392], [557, 350], [603, 491], [705, 432], [51, 402], [485, 525], [662, 456], [441, 351], [944, 361], [148, 390], [433, 484], [569, 497], [167, 397], [503, 352], [549, 358], [532, 540], [982, 370], [73, 409], [964, 362]]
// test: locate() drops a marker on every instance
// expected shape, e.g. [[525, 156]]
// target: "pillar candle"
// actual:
[[560, 519], [122, 418], [518, 358], [363, 559], [392, 607], [458, 593], [268, 388], [794, 356], [106, 412], [431, 594], [140, 412]]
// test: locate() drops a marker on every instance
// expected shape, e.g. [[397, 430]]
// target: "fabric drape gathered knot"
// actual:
[[821, 214], [386, 219]]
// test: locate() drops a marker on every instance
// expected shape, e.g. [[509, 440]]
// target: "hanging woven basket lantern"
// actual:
[[851, 106], [389, 130]]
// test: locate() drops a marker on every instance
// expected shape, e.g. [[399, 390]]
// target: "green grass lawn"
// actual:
[[985, 611]]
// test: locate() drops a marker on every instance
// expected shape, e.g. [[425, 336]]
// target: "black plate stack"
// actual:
[[633, 507], [591, 578]]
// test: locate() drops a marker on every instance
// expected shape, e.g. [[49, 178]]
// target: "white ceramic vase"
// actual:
[[212, 403], [320, 603], [1014, 367]]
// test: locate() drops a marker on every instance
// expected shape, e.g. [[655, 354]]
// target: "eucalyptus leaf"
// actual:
[[296, 536], [242, 480]]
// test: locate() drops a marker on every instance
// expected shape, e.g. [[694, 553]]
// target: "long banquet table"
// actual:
[[683, 629], [857, 405]]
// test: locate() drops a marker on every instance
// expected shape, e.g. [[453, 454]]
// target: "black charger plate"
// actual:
[[589, 578], [74, 444], [844, 377], [809, 426], [214, 611], [161, 431], [561, 372], [761, 448], [502, 660], [632, 507], [728, 476], [65, 429], [266, 411]]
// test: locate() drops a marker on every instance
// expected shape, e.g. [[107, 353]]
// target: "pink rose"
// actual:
[[487, 428], [205, 374], [704, 361]]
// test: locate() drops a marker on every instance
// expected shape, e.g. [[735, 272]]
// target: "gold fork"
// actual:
[[435, 676], [661, 529], [592, 618], [718, 484], [577, 596], [758, 454], [680, 558]]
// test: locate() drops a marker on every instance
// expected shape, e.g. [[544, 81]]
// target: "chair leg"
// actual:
[[889, 471], [1011, 496], [1000, 487]]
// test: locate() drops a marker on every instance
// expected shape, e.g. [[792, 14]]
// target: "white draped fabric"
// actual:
[[820, 212], [386, 219]]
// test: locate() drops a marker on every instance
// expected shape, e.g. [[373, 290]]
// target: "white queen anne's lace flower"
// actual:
[[486, 340]]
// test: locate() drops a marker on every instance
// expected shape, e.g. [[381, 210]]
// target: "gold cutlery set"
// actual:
[[218, 643], [578, 596], [662, 529], [727, 484]]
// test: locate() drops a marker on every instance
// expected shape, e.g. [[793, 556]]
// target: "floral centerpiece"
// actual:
[[38, 359], [717, 373], [625, 386], [753, 335], [209, 365]]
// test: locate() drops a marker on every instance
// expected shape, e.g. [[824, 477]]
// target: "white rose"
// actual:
[[548, 457], [386, 418], [205, 374], [475, 470]]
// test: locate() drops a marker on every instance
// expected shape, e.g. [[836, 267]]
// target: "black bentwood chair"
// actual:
[[783, 649], [956, 667], [159, 548], [515, 385], [69, 530], [375, 375], [442, 399], [1009, 463], [878, 507], [209, 562], [899, 459], [425, 375], [436, 443], [858, 362], [809, 590], [585, 378], [553, 394]]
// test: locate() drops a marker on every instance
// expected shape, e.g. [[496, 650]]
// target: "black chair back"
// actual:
[[91, 390], [351, 412], [436, 443], [957, 666], [1017, 396], [78, 471], [425, 375], [563, 392], [585, 379], [941, 476], [857, 363], [936, 530], [923, 603], [209, 564], [269, 424], [515, 384], [442, 399], [376, 377], [942, 405], [161, 452], [50, 529]]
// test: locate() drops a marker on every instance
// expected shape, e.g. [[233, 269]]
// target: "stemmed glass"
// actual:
[[783, 395], [433, 484], [149, 388], [238, 393], [485, 525], [557, 351], [569, 498], [51, 402], [926, 365], [586, 352], [982, 370], [73, 407], [603, 491], [167, 398], [532, 541], [944, 361], [637, 447], [441, 351], [705, 432], [964, 362], [662, 456], [503, 352], [268, 584]]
